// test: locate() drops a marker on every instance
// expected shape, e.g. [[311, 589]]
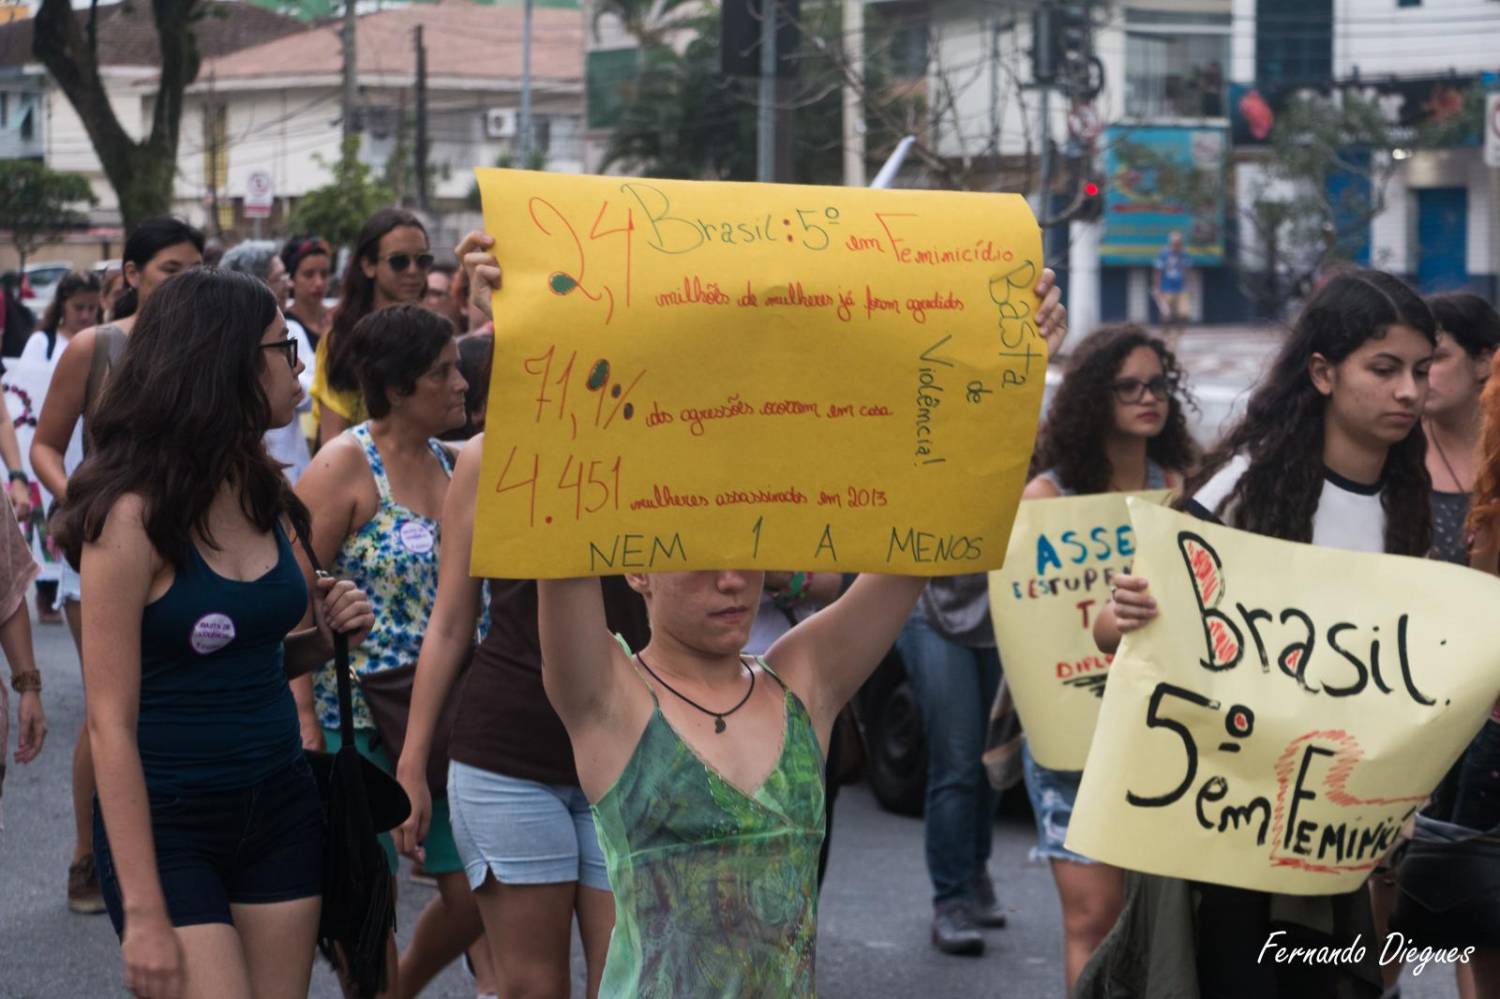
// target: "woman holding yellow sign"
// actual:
[[1116, 424], [705, 767], [1325, 454]]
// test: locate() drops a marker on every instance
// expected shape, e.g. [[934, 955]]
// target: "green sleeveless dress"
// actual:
[[715, 890]]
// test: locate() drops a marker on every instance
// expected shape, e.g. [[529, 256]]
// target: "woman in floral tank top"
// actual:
[[375, 494]]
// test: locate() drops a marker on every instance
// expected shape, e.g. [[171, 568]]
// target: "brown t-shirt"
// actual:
[[504, 723]]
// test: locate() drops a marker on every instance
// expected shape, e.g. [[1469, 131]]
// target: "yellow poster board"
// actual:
[[1063, 554], [715, 375], [1288, 711]]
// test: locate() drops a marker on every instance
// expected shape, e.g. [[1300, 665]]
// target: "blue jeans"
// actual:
[[955, 686]]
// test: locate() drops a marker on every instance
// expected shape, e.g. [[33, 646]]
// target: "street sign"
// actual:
[[1492, 130], [260, 195]]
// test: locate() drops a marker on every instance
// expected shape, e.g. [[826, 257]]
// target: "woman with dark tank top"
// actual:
[[154, 251], [1116, 424], [208, 829], [521, 821]]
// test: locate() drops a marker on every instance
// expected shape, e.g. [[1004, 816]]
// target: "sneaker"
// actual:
[[953, 929], [985, 907], [84, 894]]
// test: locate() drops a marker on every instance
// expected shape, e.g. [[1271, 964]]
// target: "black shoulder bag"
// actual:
[[360, 800]]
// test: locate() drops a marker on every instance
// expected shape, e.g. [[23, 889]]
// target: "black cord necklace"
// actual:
[[718, 716]]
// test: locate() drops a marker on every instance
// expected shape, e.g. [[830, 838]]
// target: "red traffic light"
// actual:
[[1091, 190]]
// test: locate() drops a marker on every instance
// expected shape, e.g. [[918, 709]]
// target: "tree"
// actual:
[[37, 203], [682, 118], [338, 211], [140, 172]]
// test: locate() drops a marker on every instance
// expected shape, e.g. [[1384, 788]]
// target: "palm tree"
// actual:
[[650, 22]]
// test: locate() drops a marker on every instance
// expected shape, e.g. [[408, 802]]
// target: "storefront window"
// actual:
[[1175, 64]]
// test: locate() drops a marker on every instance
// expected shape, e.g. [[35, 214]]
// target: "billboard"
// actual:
[[1160, 180]]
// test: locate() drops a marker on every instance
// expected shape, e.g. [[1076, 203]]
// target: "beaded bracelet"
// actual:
[[29, 680]]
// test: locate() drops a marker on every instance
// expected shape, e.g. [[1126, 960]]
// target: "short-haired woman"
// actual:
[[375, 493]]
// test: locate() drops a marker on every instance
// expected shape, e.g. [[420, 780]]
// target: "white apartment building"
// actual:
[[276, 108]]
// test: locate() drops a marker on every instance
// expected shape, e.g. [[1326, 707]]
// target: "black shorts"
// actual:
[[254, 846]]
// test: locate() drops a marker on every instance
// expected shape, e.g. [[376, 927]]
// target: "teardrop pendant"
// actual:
[[718, 724]]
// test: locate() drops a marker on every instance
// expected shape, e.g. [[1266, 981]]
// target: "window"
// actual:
[[1408, 3], [609, 76], [1293, 42], [1174, 64]]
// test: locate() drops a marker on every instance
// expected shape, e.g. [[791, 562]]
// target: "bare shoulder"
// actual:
[[1041, 487], [124, 532]]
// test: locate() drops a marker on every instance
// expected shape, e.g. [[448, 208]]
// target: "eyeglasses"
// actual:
[[1132, 390], [288, 348], [403, 261]]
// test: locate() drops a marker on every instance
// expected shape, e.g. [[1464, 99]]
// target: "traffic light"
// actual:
[[1073, 39], [1090, 202], [1062, 49]]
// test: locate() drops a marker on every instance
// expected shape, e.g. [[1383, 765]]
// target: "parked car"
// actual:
[[39, 284]]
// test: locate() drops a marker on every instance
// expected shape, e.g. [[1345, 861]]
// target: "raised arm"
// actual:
[[582, 664], [827, 657], [445, 644], [117, 572], [60, 412]]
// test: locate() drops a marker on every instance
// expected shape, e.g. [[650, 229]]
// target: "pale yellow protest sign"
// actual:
[[1286, 713], [1063, 554], [716, 375]]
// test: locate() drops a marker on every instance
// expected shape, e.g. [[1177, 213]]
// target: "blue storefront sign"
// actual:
[[1160, 180]]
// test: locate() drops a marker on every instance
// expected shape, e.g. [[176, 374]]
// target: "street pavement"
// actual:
[[874, 911], [874, 908]]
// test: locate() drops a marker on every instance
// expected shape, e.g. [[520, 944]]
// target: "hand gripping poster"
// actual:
[[1287, 712], [1063, 554]]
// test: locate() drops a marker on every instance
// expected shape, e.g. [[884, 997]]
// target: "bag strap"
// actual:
[[340, 659]]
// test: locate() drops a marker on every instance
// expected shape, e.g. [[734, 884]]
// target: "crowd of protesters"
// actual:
[[645, 757]]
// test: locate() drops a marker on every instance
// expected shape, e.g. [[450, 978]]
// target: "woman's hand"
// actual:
[[32, 729], [344, 609], [153, 957], [1134, 606], [1052, 315], [476, 253], [413, 832], [20, 499]]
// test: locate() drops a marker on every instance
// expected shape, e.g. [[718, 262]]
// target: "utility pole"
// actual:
[[525, 163], [421, 139], [854, 108], [765, 117], [351, 67], [1045, 72]]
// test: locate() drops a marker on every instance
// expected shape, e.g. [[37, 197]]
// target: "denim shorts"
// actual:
[[69, 587], [1478, 804], [258, 845], [1052, 793], [521, 831]]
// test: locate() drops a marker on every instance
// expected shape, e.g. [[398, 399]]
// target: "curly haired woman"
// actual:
[[1117, 424]]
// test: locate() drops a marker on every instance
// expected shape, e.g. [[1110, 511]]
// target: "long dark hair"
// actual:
[[1281, 432], [1071, 440], [357, 298], [183, 412], [72, 283], [145, 241]]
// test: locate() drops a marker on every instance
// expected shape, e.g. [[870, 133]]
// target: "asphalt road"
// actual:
[[874, 912]]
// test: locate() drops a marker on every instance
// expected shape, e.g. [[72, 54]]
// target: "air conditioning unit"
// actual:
[[500, 123]]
